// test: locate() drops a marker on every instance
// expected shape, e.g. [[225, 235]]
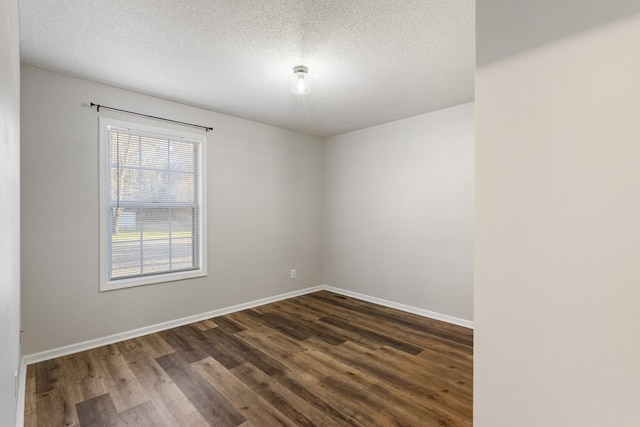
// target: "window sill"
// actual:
[[150, 280]]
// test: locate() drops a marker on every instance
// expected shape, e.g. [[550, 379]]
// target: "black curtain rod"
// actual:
[[98, 107]]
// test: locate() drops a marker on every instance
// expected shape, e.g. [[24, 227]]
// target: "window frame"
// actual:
[[107, 284]]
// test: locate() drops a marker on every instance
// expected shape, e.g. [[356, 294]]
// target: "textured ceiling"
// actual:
[[373, 61]]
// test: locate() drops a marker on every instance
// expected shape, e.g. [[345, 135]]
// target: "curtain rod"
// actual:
[[98, 107]]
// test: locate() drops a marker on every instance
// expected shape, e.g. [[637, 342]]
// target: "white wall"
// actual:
[[399, 211], [557, 231], [264, 215], [9, 209]]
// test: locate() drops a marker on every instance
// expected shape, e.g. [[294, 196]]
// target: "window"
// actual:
[[152, 205]]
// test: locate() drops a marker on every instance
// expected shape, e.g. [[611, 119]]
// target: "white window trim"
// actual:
[[109, 285]]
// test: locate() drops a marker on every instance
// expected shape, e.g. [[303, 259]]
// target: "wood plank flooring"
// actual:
[[316, 360]]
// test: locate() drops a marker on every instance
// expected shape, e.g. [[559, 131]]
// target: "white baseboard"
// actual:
[[402, 307], [110, 339]]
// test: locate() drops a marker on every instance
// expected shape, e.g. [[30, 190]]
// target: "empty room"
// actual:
[[305, 213]]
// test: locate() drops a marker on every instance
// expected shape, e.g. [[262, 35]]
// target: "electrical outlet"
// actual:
[[293, 273]]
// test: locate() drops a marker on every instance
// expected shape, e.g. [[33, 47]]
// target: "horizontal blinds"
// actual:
[[152, 204]]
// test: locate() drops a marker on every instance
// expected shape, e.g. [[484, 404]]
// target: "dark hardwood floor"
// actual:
[[315, 360]]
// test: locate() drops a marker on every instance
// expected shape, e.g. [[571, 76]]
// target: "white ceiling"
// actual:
[[373, 61]]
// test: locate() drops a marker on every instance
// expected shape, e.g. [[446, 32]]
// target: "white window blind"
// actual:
[[153, 205]]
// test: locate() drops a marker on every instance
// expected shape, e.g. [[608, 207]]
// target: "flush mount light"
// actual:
[[300, 82]]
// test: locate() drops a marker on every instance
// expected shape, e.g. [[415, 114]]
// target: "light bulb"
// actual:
[[301, 83], [301, 87]]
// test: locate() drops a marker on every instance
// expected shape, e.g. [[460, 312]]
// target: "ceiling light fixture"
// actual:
[[300, 82]]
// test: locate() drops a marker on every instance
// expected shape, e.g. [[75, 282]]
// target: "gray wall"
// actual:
[[399, 211], [265, 193], [9, 209], [557, 228]]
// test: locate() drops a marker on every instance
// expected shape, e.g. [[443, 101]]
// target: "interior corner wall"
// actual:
[[399, 211], [264, 189], [557, 230], [10, 353]]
